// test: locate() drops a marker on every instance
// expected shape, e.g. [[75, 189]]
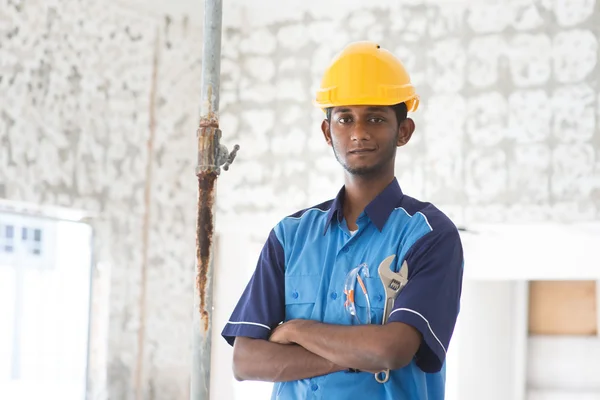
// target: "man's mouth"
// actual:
[[361, 151]]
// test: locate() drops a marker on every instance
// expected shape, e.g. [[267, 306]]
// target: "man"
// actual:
[[294, 324]]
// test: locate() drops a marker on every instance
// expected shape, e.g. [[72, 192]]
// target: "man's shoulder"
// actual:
[[433, 229], [435, 217], [303, 221], [318, 210]]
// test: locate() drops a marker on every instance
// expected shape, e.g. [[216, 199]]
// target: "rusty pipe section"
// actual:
[[201, 322], [207, 172], [210, 157], [204, 245]]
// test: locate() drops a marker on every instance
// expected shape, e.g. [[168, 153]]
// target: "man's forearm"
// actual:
[[364, 347], [260, 360]]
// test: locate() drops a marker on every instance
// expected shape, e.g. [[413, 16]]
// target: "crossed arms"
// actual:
[[421, 322], [301, 349]]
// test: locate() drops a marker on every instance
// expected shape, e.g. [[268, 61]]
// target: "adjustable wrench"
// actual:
[[393, 283]]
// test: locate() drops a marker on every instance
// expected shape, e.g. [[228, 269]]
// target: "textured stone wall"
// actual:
[[508, 131]]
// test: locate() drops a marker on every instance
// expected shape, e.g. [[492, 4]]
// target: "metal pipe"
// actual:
[[211, 155]]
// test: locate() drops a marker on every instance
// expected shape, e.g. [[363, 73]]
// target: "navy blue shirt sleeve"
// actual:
[[430, 301], [262, 304]]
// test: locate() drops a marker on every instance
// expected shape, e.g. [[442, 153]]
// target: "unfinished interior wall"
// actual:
[[507, 131], [84, 123]]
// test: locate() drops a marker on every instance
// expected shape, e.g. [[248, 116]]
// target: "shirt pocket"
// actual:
[[376, 299], [300, 296]]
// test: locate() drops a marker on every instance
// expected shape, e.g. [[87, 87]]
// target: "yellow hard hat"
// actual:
[[365, 74]]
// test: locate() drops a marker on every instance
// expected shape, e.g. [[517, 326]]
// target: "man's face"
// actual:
[[364, 138]]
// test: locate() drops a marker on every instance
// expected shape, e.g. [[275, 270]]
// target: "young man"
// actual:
[[304, 320]]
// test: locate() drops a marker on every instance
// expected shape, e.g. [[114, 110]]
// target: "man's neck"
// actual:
[[359, 192]]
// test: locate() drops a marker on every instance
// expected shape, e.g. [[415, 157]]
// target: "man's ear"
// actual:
[[405, 131], [326, 128]]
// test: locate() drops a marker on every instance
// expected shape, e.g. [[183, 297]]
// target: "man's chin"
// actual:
[[363, 171]]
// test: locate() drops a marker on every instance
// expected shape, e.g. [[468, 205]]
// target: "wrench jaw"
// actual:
[[385, 264], [392, 282], [397, 279]]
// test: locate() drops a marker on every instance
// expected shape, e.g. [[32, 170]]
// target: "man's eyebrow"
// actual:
[[374, 109], [370, 109], [342, 110]]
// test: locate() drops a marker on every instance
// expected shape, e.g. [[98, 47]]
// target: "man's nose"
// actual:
[[360, 132]]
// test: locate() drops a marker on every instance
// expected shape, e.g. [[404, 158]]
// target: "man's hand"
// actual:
[[280, 334], [285, 333]]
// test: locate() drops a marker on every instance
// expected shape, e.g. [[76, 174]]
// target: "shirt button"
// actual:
[[346, 249], [314, 387], [295, 295], [379, 297], [334, 295]]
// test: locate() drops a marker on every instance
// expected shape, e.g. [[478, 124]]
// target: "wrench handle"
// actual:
[[389, 304], [383, 376]]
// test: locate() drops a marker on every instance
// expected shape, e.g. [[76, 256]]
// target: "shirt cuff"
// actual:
[[430, 357], [253, 330]]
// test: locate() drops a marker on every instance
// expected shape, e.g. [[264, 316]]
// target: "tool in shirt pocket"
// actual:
[[363, 296], [392, 283]]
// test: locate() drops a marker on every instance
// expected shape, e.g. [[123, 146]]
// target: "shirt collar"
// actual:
[[377, 210]]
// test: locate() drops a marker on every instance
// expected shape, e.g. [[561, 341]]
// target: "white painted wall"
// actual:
[[564, 364], [563, 368], [545, 251], [234, 266], [487, 344], [493, 354], [562, 395]]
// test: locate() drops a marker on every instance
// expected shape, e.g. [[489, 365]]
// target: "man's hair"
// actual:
[[400, 109]]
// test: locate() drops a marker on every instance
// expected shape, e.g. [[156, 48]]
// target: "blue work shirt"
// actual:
[[301, 274]]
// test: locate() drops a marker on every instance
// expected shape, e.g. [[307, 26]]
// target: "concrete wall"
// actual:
[[99, 105]]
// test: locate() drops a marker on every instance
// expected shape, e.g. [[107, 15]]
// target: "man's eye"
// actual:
[[344, 120], [377, 120]]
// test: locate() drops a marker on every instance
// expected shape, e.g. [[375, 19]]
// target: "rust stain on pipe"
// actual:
[[204, 238], [210, 122], [208, 142]]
